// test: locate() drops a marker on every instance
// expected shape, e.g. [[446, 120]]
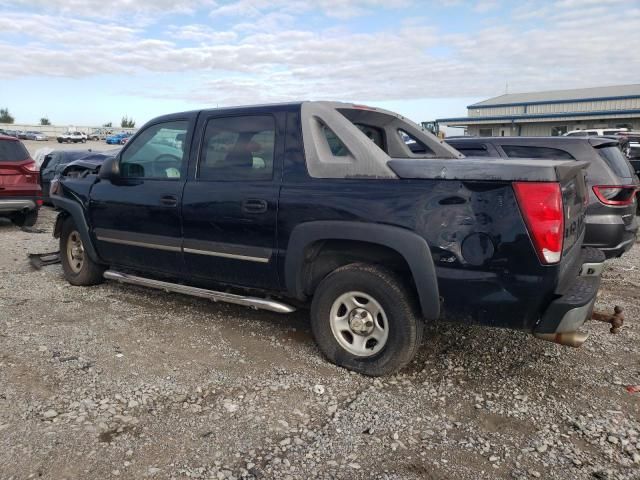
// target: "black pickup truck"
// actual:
[[355, 212]]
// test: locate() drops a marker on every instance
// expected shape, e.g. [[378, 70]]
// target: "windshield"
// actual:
[[617, 161], [12, 151]]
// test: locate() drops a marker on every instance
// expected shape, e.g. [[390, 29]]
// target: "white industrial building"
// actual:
[[553, 112]]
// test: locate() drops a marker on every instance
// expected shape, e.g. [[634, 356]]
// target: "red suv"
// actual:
[[20, 193]]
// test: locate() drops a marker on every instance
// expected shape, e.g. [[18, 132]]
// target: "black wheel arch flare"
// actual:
[[413, 248]]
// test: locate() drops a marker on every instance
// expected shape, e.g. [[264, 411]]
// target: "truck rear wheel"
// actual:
[[364, 319], [79, 269]]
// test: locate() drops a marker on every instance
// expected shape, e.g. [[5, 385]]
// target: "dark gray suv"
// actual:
[[611, 221]]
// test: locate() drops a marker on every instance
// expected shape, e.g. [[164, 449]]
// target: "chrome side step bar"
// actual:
[[253, 302]]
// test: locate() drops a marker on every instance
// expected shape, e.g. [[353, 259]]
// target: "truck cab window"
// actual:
[[375, 134], [156, 153], [238, 148]]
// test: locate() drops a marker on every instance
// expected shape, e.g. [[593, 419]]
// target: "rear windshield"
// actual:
[[12, 151], [393, 135], [471, 150], [616, 160]]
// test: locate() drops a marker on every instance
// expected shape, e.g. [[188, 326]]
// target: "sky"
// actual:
[[88, 62]]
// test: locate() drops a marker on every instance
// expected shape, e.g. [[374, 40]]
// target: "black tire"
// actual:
[[28, 219], [81, 273], [404, 325]]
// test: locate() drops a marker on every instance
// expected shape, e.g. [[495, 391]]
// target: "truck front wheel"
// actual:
[[79, 269], [364, 319]]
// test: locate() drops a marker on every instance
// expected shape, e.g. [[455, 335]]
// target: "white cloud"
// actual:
[[273, 57], [112, 8], [201, 33], [484, 6], [342, 9]]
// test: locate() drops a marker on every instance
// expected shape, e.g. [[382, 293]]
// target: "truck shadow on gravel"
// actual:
[[450, 343]]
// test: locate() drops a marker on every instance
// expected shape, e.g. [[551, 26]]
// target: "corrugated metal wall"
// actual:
[[597, 105], [544, 129]]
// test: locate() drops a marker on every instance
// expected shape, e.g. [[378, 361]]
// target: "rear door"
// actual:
[[230, 203], [136, 218]]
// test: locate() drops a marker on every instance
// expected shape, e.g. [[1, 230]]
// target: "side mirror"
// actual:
[[110, 169]]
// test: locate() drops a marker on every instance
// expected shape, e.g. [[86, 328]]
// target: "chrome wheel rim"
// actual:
[[359, 324], [75, 252]]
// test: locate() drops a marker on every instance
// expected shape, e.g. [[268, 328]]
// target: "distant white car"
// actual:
[[72, 137], [594, 132]]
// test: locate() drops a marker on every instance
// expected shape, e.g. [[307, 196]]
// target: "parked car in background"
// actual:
[[89, 164], [38, 136], [20, 192], [632, 150], [327, 205], [53, 163], [594, 132], [118, 138], [72, 137], [11, 133], [70, 162], [99, 134], [611, 222]]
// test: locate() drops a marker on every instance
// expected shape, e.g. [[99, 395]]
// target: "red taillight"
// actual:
[[30, 167], [541, 206], [615, 194]]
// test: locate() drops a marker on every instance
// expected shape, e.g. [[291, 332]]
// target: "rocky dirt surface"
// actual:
[[121, 382]]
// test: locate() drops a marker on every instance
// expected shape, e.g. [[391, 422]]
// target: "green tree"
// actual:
[[5, 116], [108, 125], [127, 122], [45, 121]]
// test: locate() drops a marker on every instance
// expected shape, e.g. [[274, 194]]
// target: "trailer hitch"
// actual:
[[616, 319]]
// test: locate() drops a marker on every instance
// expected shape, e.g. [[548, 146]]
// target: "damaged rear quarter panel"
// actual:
[[477, 236], [461, 221]]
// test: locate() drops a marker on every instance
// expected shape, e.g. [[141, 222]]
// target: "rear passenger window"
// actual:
[[238, 148], [521, 151]]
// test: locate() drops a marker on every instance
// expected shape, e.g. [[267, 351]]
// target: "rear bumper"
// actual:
[[14, 205], [570, 311], [611, 234], [567, 313], [592, 262]]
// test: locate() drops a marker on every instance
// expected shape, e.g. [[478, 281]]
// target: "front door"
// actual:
[[136, 218], [229, 209]]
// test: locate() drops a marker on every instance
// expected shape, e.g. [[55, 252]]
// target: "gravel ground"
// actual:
[[121, 382]]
